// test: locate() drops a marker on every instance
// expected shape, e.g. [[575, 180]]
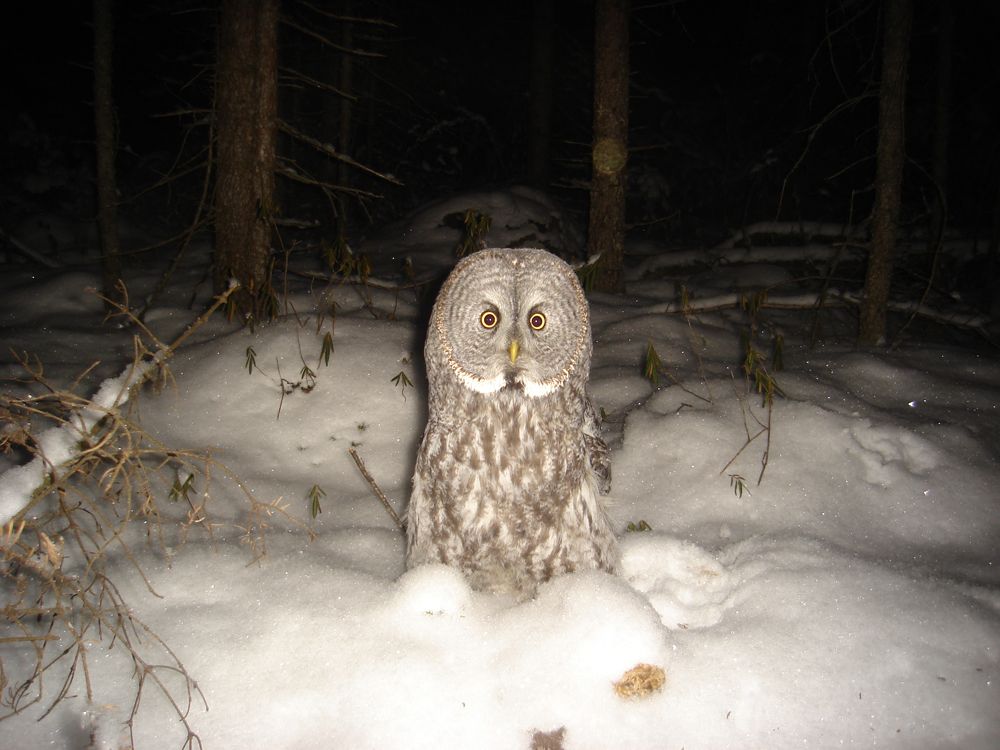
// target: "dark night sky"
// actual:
[[718, 89]]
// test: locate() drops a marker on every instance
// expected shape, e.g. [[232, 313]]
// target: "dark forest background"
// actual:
[[740, 112]]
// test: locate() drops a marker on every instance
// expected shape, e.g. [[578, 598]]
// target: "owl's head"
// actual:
[[511, 319]]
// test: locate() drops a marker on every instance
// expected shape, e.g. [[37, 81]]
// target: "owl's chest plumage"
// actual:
[[505, 459], [505, 493]]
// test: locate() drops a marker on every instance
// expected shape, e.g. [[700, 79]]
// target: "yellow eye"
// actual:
[[536, 321], [488, 319]]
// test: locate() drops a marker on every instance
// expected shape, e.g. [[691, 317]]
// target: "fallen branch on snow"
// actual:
[[376, 489], [23, 486], [27, 251], [811, 300]]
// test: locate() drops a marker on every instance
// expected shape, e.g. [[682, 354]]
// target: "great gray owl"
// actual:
[[508, 473]]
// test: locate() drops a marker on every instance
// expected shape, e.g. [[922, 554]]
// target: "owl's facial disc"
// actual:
[[512, 319]]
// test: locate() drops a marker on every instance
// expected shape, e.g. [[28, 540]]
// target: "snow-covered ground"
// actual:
[[852, 599]]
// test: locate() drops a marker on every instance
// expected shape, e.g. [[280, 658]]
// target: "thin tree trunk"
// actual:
[[346, 84], [993, 261], [540, 92], [345, 125], [890, 159], [942, 115], [104, 125], [606, 232], [246, 96]]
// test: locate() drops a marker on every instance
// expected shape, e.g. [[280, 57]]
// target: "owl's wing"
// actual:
[[598, 454]]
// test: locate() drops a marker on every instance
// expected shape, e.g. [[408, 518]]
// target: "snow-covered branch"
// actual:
[[805, 229], [58, 447], [807, 300]]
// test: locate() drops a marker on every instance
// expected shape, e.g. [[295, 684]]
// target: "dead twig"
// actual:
[[316, 83], [27, 251], [349, 19], [196, 223], [328, 42], [60, 603], [329, 150], [375, 488]]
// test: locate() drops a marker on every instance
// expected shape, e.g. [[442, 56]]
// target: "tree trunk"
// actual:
[[992, 281], [540, 92], [606, 231], [345, 82], [890, 158], [246, 95], [942, 116], [104, 126], [345, 108]]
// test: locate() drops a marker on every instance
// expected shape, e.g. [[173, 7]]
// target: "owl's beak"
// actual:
[[513, 350]]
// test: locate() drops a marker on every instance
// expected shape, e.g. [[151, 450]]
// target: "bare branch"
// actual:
[[115, 475], [27, 251], [196, 223], [329, 150], [292, 171], [317, 83], [375, 488], [316, 35], [348, 19], [813, 132]]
